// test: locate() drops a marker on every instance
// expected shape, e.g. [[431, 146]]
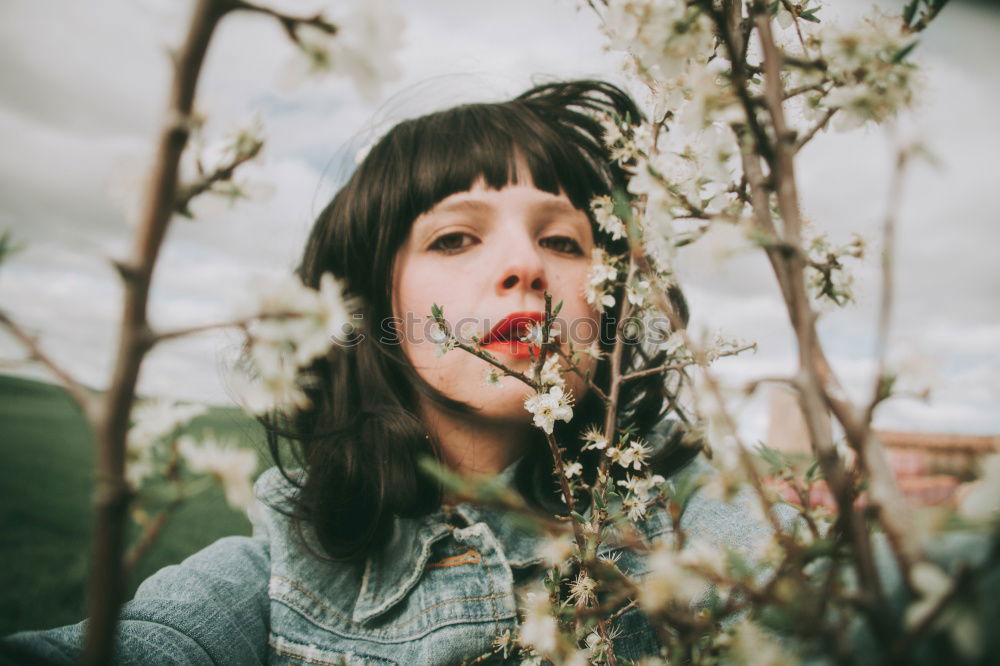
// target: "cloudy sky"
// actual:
[[85, 85]]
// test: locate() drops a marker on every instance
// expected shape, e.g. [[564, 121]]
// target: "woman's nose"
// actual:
[[523, 270]]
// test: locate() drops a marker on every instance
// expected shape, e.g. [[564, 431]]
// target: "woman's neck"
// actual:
[[474, 447]]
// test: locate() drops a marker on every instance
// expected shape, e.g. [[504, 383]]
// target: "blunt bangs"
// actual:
[[447, 152]]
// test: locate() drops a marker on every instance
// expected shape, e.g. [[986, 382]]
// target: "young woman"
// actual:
[[356, 555]]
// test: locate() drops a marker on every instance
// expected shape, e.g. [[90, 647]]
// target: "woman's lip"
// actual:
[[514, 348], [513, 320]]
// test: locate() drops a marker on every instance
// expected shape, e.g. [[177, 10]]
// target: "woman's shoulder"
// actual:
[[734, 522]]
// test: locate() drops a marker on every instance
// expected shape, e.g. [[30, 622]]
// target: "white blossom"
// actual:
[[549, 407], [933, 584], [602, 268], [703, 557], [637, 501], [231, 465], [634, 455], [594, 349], [327, 318], [139, 466], [550, 374], [363, 48], [274, 382], [648, 30], [604, 215], [784, 18], [493, 376], [636, 291], [673, 344], [634, 507], [154, 419], [296, 325], [594, 438], [601, 277], [640, 486], [532, 333], [982, 501], [573, 469], [583, 589], [555, 550], [597, 296], [668, 581], [439, 336], [753, 647], [871, 83], [539, 629]]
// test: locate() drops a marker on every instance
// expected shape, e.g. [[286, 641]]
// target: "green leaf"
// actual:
[[578, 517], [682, 488], [909, 11], [775, 459], [810, 15], [820, 548], [598, 501], [738, 565], [903, 52], [557, 308], [814, 473], [7, 245]]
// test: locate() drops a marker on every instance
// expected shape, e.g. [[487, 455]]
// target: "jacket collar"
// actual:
[[396, 568]]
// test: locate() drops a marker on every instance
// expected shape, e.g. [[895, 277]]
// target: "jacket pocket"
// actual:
[[283, 651]]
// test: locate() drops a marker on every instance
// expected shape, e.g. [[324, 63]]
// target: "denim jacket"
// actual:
[[440, 592]]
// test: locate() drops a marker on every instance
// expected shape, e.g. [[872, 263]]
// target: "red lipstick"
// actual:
[[504, 337]]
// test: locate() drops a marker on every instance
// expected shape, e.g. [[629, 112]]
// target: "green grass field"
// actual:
[[46, 457]]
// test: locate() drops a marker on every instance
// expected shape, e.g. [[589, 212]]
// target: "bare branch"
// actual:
[[818, 386], [77, 391], [575, 370], [684, 364], [794, 11], [880, 391], [808, 136], [221, 173], [113, 495], [289, 23]]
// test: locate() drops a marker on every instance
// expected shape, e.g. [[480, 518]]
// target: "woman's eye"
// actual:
[[563, 244], [451, 242]]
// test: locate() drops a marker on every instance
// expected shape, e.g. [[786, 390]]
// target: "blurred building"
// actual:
[[930, 467]]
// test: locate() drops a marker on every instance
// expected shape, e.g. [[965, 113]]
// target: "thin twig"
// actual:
[[221, 173], [575, 370], [77, 391], [684, 364], [289, 23], [808, 136], [798, 31], [885, 305]]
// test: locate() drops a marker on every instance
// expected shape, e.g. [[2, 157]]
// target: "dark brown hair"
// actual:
[[361, 442]]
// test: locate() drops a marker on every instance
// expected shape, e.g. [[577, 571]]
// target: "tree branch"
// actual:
[[808, 136], [77, 391], [682, 365], [220, 174], [112, 496]]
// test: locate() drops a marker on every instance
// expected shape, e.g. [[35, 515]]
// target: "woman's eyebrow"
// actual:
[[556, 207], [463, 206], [460, 206]]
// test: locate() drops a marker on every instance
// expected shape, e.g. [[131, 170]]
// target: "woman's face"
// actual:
[[482, 255]]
